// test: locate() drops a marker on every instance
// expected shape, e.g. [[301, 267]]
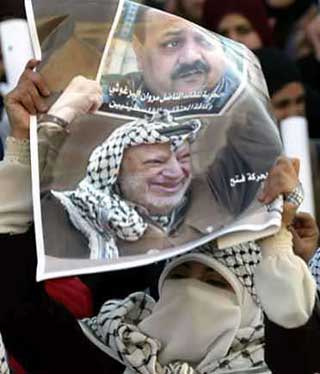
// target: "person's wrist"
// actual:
[[19, 133], [66, 114]]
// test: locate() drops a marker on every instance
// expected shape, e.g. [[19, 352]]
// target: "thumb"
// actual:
[[296, 165]]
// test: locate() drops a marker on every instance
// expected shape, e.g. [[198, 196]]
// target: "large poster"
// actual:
[[174, 157]]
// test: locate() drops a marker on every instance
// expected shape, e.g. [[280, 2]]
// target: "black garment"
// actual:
[[285, 19], [313, 112], [40, 333], [294, 351], [309, 68], [46, 339]]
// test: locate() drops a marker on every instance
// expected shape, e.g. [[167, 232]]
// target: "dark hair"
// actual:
[[278, 69]]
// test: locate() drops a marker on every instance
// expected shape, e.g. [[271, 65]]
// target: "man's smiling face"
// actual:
[[155, 177]]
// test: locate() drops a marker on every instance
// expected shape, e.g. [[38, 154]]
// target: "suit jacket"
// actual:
[[204, 214]]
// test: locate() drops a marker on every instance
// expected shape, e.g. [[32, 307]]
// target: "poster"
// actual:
[[173, 158]]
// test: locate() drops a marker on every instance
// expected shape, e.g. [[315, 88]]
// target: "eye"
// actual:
[[217, 282], [224, 32], [184, 157], [178, 274], [171, 44], [243, 29], [282, 104], [155, 161]]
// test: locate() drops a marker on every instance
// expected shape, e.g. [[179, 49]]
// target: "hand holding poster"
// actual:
[[174, 157]]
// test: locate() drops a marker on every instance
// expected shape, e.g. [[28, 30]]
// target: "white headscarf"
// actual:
[[193, 319]]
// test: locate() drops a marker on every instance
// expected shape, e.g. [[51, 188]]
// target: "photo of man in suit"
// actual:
[[179, 66]]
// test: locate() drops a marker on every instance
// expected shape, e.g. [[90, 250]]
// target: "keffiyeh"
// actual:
[[314, 266], [241, 259], [4, 368], [95, 207], [115, 330]]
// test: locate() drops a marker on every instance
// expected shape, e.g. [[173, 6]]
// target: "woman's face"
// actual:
[[239, 28], [199, 271]]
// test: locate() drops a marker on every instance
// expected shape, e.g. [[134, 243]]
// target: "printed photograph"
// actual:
[[156, 60]]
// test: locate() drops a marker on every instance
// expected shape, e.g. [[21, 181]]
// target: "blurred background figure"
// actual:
[[12, 9], [188, 9], [297, 31], [191, 10], [289, 95], [298, 117], [245, 21]]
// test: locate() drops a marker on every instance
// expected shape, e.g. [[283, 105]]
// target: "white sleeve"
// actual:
[[15, 191], [16, 212], [284, 283]]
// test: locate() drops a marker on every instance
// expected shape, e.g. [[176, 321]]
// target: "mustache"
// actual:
[[184, 70]]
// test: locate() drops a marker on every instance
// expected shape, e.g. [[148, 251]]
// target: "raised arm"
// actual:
[[15, 174], [29, 98], [286, 288]]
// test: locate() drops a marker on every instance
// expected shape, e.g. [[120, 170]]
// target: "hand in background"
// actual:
[[28, 98], [313, 35], [305, 234]]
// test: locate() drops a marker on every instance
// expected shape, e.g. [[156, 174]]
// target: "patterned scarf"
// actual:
[[4, 368], [314, 266], [115, 329], [95, 208], [241, 259]]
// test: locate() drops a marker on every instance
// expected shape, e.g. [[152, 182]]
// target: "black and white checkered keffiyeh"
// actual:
[[4, 368], [115, 329], [95, 207], [241, 259], [314, 266]]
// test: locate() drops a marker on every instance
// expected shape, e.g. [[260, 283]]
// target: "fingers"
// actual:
[[289, 213], [304, 220], [96, 102], [80, 84], [295, 236], [81, 96], [31, 64], [35, 79], [30, 91], [29, 104], [305, 235], [305, 225], [296, 165], [28, 98], [282, 179], [27, 95]]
